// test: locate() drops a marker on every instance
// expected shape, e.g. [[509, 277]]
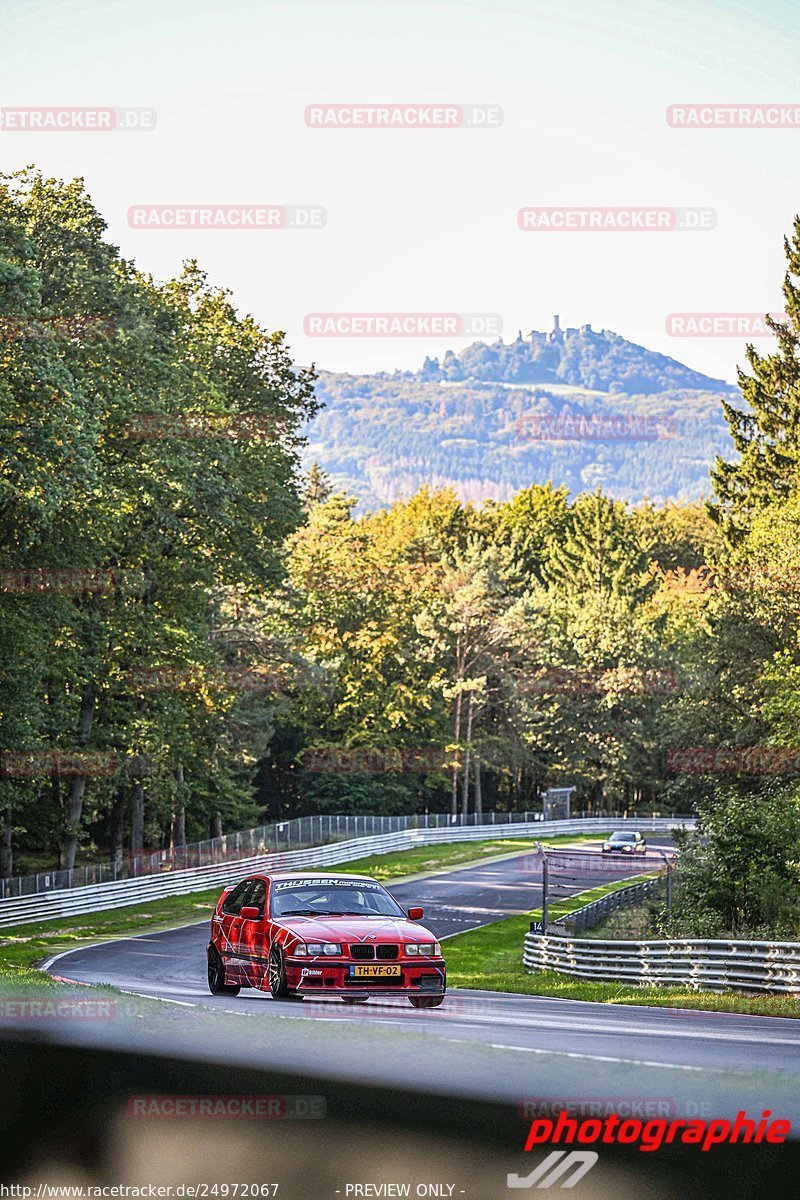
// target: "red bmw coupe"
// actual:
[[322, 935]]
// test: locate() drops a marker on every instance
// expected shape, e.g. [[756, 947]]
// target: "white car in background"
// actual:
[[625, 843]]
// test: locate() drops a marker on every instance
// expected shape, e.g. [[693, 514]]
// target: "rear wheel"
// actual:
[[216, 976], [426, 1001]]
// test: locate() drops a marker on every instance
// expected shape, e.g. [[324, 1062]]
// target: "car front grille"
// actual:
[[384, 950], [362, 951]]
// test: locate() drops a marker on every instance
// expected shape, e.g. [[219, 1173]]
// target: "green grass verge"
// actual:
[[439, 857], [25, 945], [490, 959]]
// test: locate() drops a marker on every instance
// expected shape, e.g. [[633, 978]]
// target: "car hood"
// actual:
[[356, 929]]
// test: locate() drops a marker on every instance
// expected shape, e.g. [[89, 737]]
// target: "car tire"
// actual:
[[216, 976], [276, 976], [425, 1001]]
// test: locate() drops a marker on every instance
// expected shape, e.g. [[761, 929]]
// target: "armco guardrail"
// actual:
[[74, 901], [699, 965], [591, 914], [295, 834]]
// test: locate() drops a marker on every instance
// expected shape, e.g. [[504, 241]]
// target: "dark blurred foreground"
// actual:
[[76, 1115]]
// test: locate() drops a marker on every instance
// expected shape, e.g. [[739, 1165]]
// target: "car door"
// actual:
[[252, 933], [229, 928]]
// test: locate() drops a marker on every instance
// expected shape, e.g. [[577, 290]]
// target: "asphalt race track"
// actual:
[[479, 1042]]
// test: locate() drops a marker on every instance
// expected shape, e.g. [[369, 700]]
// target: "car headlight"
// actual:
[[429, 948], [627, 849], [302, 949], [320, 948]]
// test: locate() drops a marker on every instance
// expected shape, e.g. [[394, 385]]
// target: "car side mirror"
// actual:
[[415, 914], [250, 912]]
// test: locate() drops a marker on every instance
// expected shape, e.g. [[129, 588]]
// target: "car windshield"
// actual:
[[313, 897], [622, 837]]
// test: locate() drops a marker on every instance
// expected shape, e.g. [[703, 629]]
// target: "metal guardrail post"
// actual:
[[541, 849]]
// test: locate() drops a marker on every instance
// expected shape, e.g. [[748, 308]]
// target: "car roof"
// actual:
[[312, 872]]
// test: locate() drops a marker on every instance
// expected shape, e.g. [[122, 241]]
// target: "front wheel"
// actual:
[[216, 977], [276, 976], [426, 1001]]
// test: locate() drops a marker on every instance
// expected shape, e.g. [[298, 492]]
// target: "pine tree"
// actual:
[[317, 487], [602, 553], [767, 434]]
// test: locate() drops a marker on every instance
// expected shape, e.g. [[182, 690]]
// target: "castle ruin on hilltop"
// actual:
[[556, 336]]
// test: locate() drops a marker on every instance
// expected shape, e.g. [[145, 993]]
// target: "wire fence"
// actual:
[[590, 915], [75, 901], [295, 834], [566, 869]]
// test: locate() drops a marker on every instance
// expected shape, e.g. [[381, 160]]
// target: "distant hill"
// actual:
[[601, 361], [577, 407]]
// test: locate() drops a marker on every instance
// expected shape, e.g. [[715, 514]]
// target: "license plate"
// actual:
[[374, 970]]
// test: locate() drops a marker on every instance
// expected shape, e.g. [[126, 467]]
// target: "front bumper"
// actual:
[[426, 978], [357, 992]]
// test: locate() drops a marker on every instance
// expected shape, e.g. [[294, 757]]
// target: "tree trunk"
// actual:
[[456, 739], [77, 787], [478, 792], [6, 853], [117, 827], [216, 825], [179, 819], [179, 828], [137, 818], [467, 752]]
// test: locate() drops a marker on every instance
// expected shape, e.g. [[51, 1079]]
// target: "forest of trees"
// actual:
[[382, 437], [195, 636]]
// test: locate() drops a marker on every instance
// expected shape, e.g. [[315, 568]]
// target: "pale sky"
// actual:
[[425, 220]]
